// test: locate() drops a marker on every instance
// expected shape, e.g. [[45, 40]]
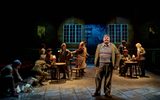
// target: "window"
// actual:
[[118, 32], [72, 33]]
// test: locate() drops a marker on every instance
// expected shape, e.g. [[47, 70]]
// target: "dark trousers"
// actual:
[[104, 71], [142, 66], [7, 85], [39, 76], [65, 71], [123, 70]]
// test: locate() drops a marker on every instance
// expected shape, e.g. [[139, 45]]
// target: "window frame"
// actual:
[[72, 33], [118, 32]]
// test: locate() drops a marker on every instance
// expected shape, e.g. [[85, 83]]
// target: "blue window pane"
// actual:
[[118, 32], [72, 33]]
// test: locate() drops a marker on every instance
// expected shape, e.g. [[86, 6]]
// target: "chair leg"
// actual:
[[71, 72], [81, 72], [77, 73]]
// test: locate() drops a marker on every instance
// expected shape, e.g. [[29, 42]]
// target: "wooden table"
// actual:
[[59, 66], [132, 65]]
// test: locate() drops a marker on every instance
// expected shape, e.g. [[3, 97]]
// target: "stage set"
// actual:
[[25, 33]]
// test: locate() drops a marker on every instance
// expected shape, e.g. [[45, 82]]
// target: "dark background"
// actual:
[[19, 19]]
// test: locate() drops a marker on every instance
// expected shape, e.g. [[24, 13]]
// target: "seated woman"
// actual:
[[123, 68], [42, 51], [141, 58]]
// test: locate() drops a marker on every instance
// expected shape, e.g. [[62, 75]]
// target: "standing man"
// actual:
[[107, 57], [122, 46], [64, 56]]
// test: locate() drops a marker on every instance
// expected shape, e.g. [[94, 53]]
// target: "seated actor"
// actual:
[[123, 68], [9, 77], [38, 71], [63, 56]]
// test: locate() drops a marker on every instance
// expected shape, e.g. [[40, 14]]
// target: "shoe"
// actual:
[[96, 94], [68, 78], [63, 78], [142, 75], [41, 84], [14, 95], [108, 95], [54, 78], [2, 95]]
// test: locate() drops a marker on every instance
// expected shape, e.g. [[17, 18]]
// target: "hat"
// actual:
[[125, 50], [123, 41], [63, 44], [49, 49], [17, 62]]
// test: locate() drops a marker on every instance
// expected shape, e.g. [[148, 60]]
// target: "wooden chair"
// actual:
[[75, 69]]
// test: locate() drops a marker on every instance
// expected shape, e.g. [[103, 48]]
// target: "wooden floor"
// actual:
[[123, 88]]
